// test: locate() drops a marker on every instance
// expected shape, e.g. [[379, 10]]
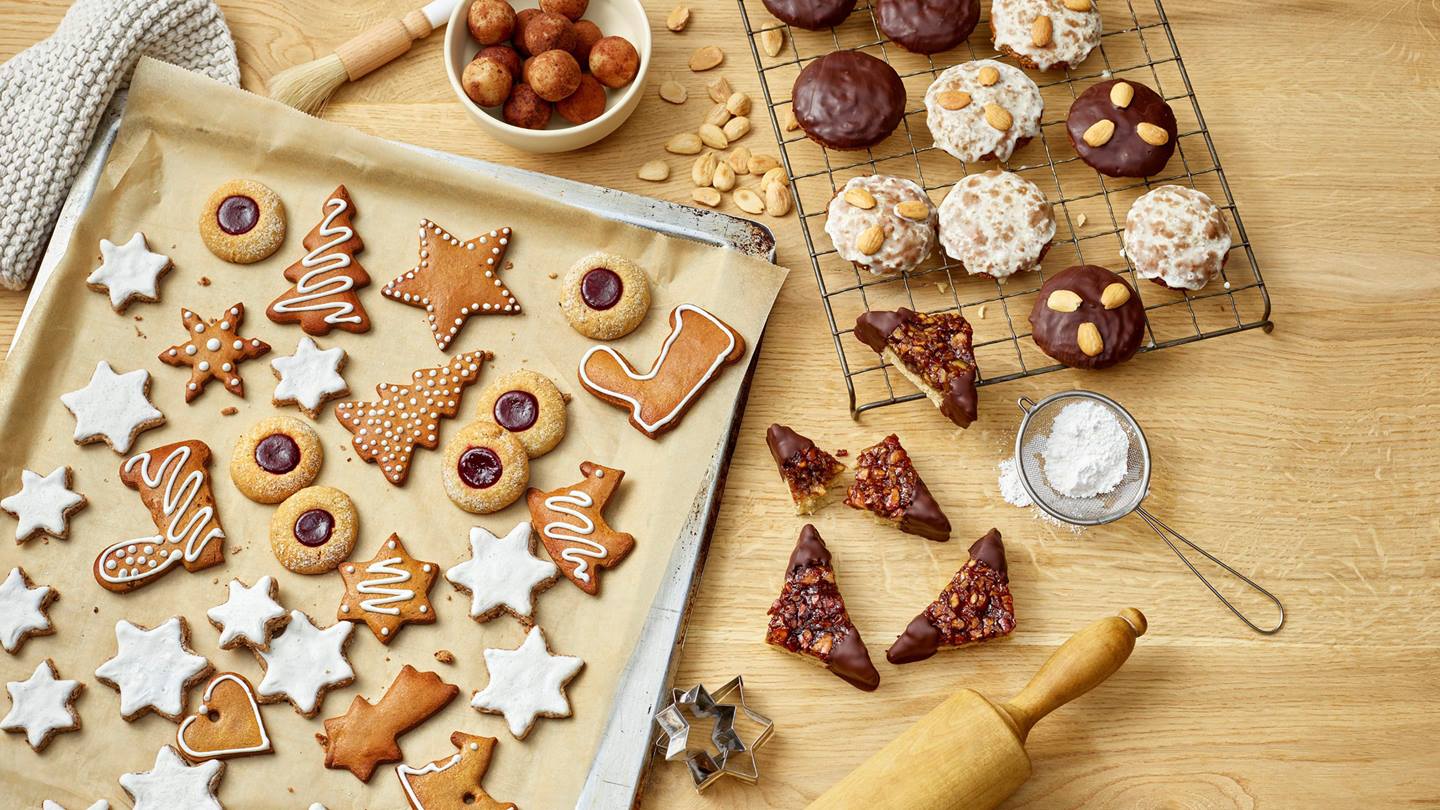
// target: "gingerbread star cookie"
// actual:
[[571, 522], [22, 610], [389, 591], [455, 280], [365, 736], [42, 705], [173, 783], [44, 504], [453, 782], [214, 351], [304, 662], [387, 430], [153, 668], [527, 683], [227, 723]]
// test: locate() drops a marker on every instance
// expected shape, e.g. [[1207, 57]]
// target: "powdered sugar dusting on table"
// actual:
[[1087, 451], [1014, 494]]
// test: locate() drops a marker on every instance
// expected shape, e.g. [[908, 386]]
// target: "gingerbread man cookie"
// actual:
[[322, 296], [174, 484], [389, 591], [214, 351], [365, 736], [44, 504], [453, 782], [227, 724], [697, 349], [388, 430], [572, 525], [276, 458], [243, 222], [128, 272], [455, 280]]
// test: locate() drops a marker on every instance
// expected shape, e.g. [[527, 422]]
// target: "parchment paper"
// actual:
[[183, 136]]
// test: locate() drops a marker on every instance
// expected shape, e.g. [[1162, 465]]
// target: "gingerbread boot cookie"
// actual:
[[572, 525]]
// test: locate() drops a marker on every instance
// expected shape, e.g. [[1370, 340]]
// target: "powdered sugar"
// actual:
[[1087, 451], [1014, 494]]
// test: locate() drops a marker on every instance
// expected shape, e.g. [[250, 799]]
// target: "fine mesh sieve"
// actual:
[[1125, 498]]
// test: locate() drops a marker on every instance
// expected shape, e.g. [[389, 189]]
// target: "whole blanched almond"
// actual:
[[706, 196], [998, 117], [774, 177], [706, 58], [860, 198], [748, 201], [953, 100], [655, 171], [719, 89], [736, 128], [724, 178], [1078, 5], [1151, 134], [702, 172], [988, 75], [1114, 295], [791, 123], [913, 209], [1121, 94], [772, 40], [739, 160], [673, 92], [1099, 133], [686, 143], [713, 137], [1040, 31], [777, 200], [870, 240], [1063, 301], [759, 164], [738, 104], [717, 115], [1089, 340], [678, 19]]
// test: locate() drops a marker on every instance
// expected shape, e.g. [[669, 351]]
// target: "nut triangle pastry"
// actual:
[[809, 618], [976, 606]]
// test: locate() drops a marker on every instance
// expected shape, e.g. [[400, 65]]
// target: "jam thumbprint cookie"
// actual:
[[314, 530], [1088, 317], [1122, 129], [528, 405], [486, 468], [243, 222], [275, 459], [605, 297]]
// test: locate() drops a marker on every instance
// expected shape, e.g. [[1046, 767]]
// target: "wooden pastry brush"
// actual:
[[309, 86]]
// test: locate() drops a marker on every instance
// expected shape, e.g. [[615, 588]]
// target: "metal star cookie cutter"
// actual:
[[734, 756]]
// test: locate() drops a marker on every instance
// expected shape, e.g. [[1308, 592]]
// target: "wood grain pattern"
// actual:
[[1307, 457]]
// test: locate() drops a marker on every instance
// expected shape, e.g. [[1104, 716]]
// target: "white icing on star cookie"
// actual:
[[153, 668], [113, 408], [22, 610], [502, 574], [128, 272], [526, 683], [249, 616], [42, 706], [310, 376], [174, 785], [100, 804], [44, 504], [303, 662]]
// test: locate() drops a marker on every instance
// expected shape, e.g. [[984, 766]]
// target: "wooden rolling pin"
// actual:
[[969, 752]]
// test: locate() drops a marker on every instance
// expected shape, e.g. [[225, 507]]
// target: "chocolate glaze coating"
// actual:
[[1125, 154], [848, 100], [921, 639], [1121, 329], [990, 550], [850, 659], [927, 26], [784, 443], [960, 403], [811, 14]]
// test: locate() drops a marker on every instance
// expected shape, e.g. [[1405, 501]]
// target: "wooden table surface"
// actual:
[[1307, 457]]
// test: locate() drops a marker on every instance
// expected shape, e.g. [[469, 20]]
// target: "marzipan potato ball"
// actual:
[[587, 34], [490, 21], [585, 104], [526, 109], [505, 55], [553, 74], [571, 10], [523, 18], [614, 61], [547, 32], [486, 82]]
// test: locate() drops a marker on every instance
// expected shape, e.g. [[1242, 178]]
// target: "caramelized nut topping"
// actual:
[[975, 606]]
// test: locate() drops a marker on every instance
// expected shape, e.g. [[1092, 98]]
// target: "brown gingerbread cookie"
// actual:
[[571, 522], [453, 782], [529, 406], [1088, 317], [363, 737], [1122, 129], [485, 468], [455, 280], [275, 459], [314, 530], [243, 222], [697, 349], [322, 294], [174, 484], [226, 724], [390, 590], [214, 351]]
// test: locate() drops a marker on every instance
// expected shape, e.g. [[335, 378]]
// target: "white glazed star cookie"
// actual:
[[44, 504], [304, 662], [100, 804], [527, 683], [128, 272], [113, 408], [310, 377], [42, 706], [249, 616], [503, 574], [22, 610], [153, 669], [172, 784]]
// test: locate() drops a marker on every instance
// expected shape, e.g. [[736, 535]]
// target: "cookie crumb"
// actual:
[[445, 656], [553, 275], [229, 410], [204, 281], [842, 453], [1080, 221], [140, 334], [982, 312], [139, 318], [942, 287]]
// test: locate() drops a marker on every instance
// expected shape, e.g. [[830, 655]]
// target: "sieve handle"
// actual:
[[1166, 533], [1026, 404]]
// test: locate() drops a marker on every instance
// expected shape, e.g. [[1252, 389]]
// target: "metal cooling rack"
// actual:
[[1090, 207]]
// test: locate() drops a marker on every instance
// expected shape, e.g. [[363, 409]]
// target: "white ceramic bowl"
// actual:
[[625, 18]]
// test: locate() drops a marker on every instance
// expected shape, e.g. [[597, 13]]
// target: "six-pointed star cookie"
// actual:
[[153, 668], [42, 706], [503, 574], [388, 591], [113, 408], [214, 351], [310, 377], [249, 615], [526, 683], [128, 272], [22, 610], [44, 504], [303, 662], [100, 804], [173, 784], [455, 280]]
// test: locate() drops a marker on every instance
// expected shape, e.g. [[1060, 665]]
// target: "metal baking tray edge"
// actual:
[[618, 769]]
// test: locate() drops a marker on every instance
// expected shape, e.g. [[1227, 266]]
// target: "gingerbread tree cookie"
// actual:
[[976, 606], [571, 522], [454, 280], [388, 591], [453, 782], [387, 430], [363, 737], [322, 296], [809, 618], [214, 351]]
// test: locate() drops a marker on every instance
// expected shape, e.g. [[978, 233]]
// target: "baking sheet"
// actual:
[[163, 166]]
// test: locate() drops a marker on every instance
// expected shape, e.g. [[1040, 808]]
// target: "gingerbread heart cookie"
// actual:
[[572, 525], [697, 349], [226, 724], [322, 296]]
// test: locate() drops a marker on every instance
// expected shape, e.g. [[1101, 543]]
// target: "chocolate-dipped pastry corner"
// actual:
[[809, 617], [932, 351], [976, 606], [807, 470], [1122, 129], [887, 486], [1088, 317]]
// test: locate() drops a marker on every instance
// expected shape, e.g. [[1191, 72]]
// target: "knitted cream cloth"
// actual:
[[54, 94]]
